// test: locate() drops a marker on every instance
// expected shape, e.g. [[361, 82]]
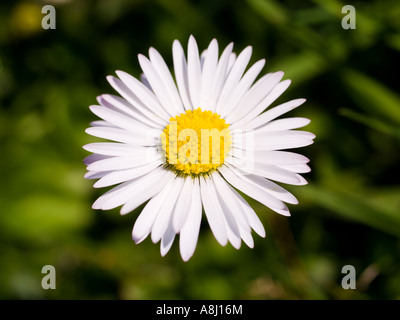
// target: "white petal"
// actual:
[[279, 158], [231, 63], [278, 140], [243, 86], [194, 72], [165, 214], [298, 168], [273, 113], [247, 239], [225, 191], [232, 229], [213, 212], [119, 176], [183, 205], [158, 86], [146, 82], [190, 230], [254, 96], [235, 219], [137, 94], [249, 219], [123, 192], [220, 76], [94, 157], [101, 123], [163, 72], [283, 139], [145, 221], [272, 188], [233, 237], [95, 174], [114, 149], [272, 172], [149, 187], [167, 240], [140, 190], [122, 135], [98, 204], [240, 182], [123, 121], [117, 103], [284, 124], [234, 76], [202, 58], [252, 217], [120, 163], [181, 75], [277, 90], [208, 74]]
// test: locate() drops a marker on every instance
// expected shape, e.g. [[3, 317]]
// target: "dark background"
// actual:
[[349, 214]]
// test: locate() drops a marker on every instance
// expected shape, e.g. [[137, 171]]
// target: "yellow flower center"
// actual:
[[196, 142]]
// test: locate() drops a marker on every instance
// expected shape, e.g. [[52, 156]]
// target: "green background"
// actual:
[[349, 214]]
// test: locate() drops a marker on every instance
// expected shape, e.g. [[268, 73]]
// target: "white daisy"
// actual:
[[189, 144]]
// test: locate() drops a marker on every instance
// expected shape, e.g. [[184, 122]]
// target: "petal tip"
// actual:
[[98, 184], [186, 254], [93, 109], [141, 58], [120, 73], [185, 258], [136, 238], [110, 78], [124, 211], [96, 206], [301, 100]]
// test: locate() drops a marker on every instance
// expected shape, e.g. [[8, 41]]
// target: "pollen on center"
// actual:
[[196, 142]]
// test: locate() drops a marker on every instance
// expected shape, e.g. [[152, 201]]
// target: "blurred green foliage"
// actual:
[[348, 214]]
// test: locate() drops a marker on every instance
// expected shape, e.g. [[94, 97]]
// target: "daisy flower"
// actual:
[[192, 142]]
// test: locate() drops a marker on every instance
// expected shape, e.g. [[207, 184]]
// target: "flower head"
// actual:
[[189, 144]]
